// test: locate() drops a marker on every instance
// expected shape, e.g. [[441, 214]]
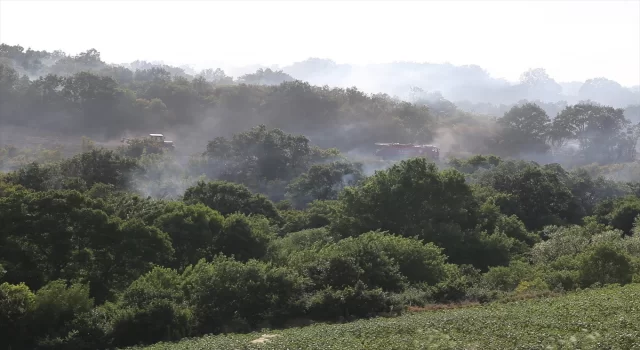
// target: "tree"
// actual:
[[536, 195], [606, 91], [8, 80], [56, 311], [45, 236], [228, 198], [16, 304], [216, 77], [193, 229], [261, 155], [226, 292], [632, 112], [539, 85], [602, 132], [324, 181], [243, 237], [619, 213], [152, 309], [101, 166], [412, 199], [265, 77], [605, 264], [86, 61], [525, 130]]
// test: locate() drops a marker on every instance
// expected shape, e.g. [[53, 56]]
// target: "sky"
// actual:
[[573, 40]]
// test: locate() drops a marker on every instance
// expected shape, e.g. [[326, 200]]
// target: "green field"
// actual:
[[607, 318]]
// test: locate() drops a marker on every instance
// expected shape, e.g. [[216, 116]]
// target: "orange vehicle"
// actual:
[[394, 151]]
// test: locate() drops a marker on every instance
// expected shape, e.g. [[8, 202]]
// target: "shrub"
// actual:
[[16, 304], [605, 264], [226, 291]]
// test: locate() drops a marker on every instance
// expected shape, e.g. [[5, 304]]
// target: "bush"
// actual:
[[229, 198], [350, 302], [193, 229], [317, 214], [535, 285], [618, 213], [458, 284], [101, 166], [158, 320], [377, 259], [226, 292], [412, 199], [280, 250], [507, 278], [243, 237], [324, 182], [54, 321], [604, 264], [152, 309], [16, 304]]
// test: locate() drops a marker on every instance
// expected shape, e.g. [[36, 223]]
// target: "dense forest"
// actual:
[[273, 211]]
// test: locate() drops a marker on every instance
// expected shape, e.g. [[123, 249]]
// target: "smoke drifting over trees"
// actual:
[[470, 87], [274, 207], [81, 94]]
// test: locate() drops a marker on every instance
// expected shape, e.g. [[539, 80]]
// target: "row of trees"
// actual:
[[105, 101], [86, 262], [601, 134], [105, 106], [267, 228], [464, 84], [470, 86]]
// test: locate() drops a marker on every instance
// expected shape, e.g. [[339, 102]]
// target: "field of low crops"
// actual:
[[607, 318]]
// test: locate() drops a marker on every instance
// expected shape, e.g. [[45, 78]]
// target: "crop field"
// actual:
[[607, 318]]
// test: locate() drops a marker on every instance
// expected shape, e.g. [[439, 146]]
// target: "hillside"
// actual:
[[277, 207], [588, 319]]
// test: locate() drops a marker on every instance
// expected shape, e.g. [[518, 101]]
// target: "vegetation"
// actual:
[[260, 227], [589, 319], [83, 95]]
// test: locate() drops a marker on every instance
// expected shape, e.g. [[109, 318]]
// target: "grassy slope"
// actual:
[[607, 318]]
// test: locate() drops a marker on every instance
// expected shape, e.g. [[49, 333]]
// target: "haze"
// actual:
[[572, 40]]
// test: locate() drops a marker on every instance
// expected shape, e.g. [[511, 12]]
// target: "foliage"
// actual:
[[136, 147], [228, 198], [285, 220], [225, 293], [603, 132], [525, 129], [50, 235], [412, 199], [152, 309], [619, 213], [324, 181], [537, 195], [193, 229], [16, 304], [586, 320], [56, 312]]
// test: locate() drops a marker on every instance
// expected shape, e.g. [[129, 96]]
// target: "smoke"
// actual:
[[344, 123], [465, 140], [470, 85], [165, 177]]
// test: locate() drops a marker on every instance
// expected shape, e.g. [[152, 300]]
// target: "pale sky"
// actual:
[[573, 40]]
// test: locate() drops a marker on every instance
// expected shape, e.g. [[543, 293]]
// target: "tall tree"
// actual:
[[603, 133], [525, 129]]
